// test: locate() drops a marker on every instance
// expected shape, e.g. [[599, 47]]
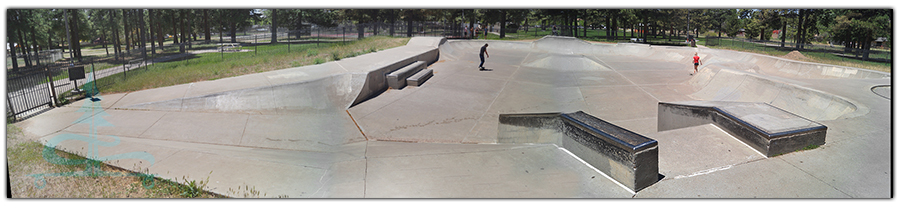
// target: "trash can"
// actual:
[[181, 47]]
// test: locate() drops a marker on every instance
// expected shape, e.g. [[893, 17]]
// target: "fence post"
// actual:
[[10, 106], [255, 45], [53, 88], [124, 69]]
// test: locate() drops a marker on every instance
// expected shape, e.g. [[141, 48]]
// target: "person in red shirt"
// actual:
[[696, 62]]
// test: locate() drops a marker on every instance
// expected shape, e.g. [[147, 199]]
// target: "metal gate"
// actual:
[[30, 92]]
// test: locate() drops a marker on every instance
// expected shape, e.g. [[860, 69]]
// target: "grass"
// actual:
[[817, 57], [25, 157], [211, 66]]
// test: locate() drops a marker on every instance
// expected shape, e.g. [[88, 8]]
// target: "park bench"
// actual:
[[229, 46]]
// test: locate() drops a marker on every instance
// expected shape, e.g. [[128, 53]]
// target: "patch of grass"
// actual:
[[26, 156], [816, 57], [210, 66]]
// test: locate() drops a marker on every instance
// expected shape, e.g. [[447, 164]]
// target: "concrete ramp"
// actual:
[[330, 93], [781, 67], [457, 49], [565, 63], [716, 83]]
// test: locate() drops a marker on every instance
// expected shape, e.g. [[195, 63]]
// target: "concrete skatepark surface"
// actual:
[[306, 133]]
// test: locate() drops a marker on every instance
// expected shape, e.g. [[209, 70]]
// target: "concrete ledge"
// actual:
[[397, 78], [419, 78], [768, 129], [629, 158], [375, 73]]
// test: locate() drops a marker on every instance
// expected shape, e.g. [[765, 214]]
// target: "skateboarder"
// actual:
[[696, 62], [482, 54]]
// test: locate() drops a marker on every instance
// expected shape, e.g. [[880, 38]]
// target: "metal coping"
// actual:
[[771, 135], [751, 126], [644, 145]]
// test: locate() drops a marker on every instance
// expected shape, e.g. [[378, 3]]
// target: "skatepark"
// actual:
[[422, 121]]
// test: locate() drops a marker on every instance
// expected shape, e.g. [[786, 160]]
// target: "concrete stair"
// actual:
[[420, 77], [397, 78]]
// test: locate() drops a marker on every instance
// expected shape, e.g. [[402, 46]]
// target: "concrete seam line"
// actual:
[[181, 108], [498, 96], [742, 142], [596, 170], [357, 125], [704, 172], [342, 67], [629, 80], [244, 131], [117, 101], [154, 123]]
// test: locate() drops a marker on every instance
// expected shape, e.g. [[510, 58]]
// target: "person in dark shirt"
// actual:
[[482, 54]]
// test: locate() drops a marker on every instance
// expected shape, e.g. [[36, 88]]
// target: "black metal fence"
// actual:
[[37, 89]]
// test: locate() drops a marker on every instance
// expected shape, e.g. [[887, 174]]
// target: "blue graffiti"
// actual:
[[93, 116]]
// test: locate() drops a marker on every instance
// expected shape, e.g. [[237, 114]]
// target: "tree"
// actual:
[[857, 28], [274, 25], [411, 15]]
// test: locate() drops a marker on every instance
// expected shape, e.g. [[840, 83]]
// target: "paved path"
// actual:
[[288, 132]]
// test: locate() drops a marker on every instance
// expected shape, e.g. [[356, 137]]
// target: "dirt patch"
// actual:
[[795, 55]]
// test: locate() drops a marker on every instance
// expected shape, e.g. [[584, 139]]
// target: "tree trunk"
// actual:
[[105, 42], [233, 30], [126, 31], [502, 23], [174, 27], [189, 28], [800, 29], [12, 49], [143, 31], [392, 19], [184, 27], [206, 29], [160, 37], [608, 27], [34, 48], [274, 26], [409, 27], [584, 24], [75, 37], [361, 30], [783, 31], [24, 51], [117, 49], [152, 30], [13, 43]]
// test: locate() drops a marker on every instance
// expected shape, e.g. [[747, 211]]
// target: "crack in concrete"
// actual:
[[432, 122]]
